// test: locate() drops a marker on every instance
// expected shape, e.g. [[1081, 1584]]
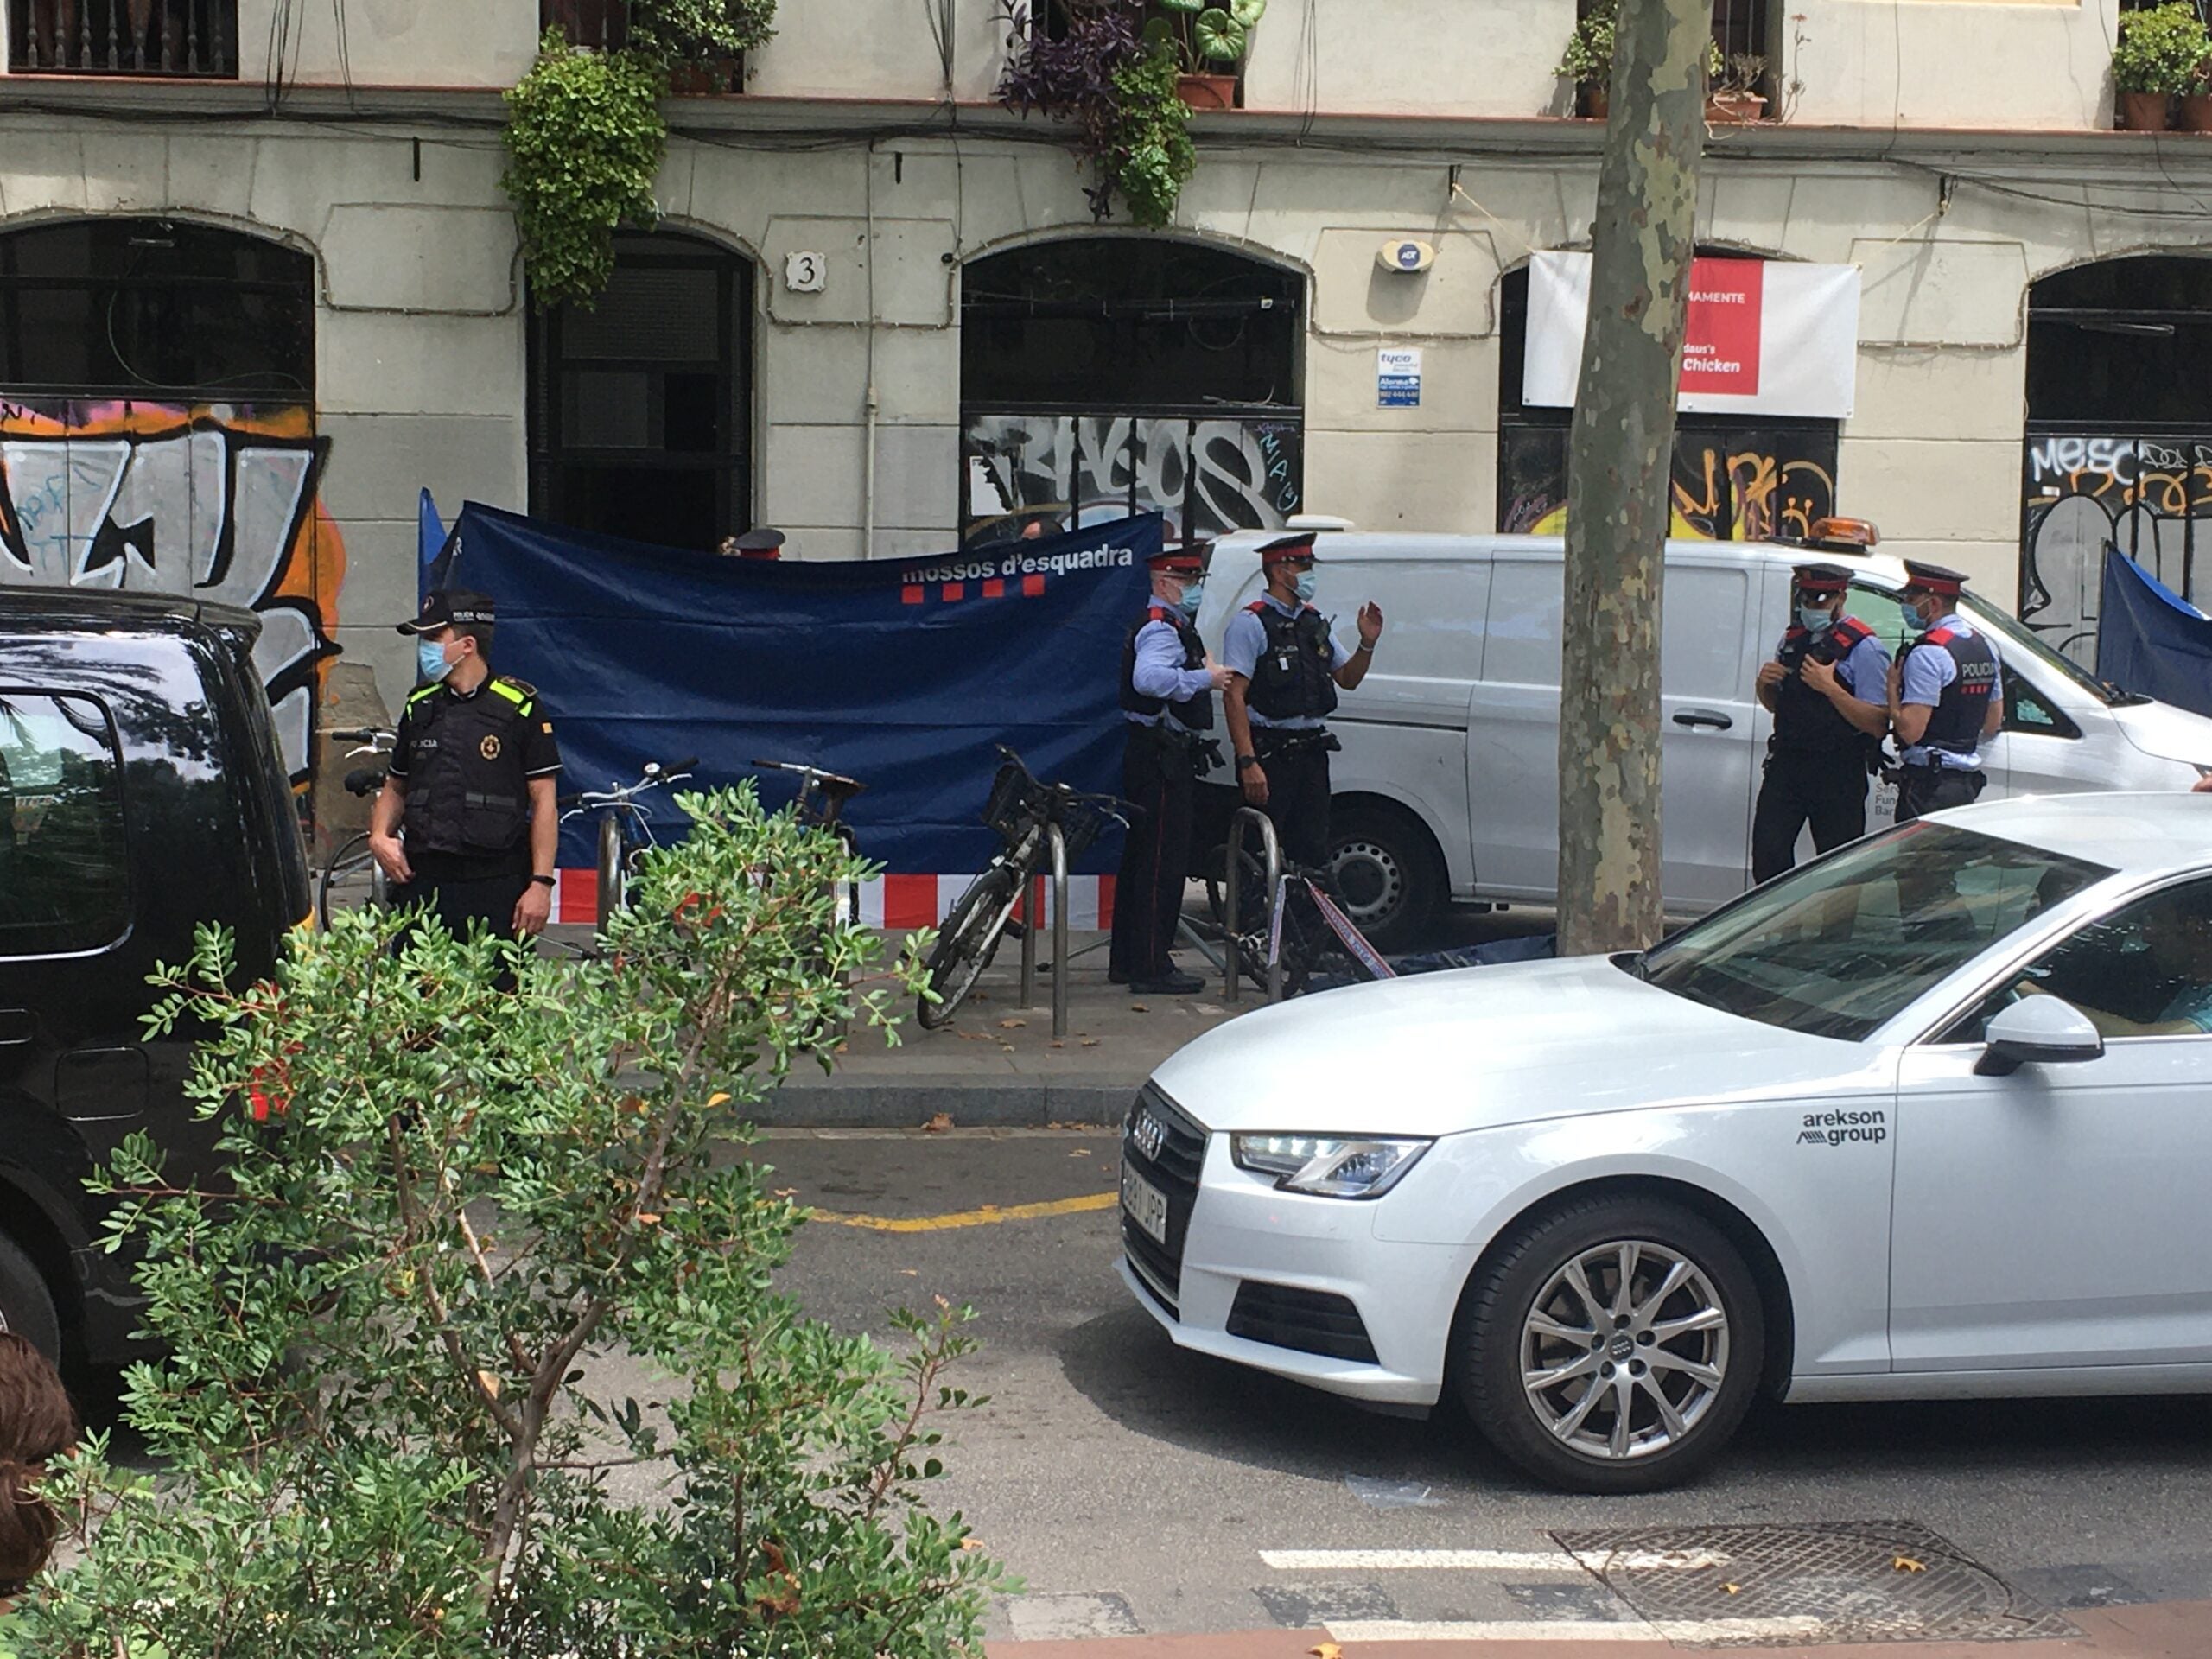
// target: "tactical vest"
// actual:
[[1296, 675], [1955, 726], [1193, 714], [467, 789], [1805, 722]]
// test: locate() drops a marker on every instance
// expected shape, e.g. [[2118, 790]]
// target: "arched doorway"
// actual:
[[2118, 436], [1736, 477], [1101, 375], [641, 406], [158, 430]]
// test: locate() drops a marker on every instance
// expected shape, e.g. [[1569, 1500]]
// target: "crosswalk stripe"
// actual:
[[1578, 1630], [1487, 1560]]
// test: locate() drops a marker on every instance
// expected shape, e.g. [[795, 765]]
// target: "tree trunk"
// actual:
[[1617, 480]]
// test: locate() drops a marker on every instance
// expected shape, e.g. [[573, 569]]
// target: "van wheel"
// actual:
[[26, 1305], [1390, 877], [1612, 1346]]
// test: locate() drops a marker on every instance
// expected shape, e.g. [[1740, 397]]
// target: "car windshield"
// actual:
[[1842, 946]]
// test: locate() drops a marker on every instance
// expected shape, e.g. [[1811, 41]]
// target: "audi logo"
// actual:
[[1149, 1134]]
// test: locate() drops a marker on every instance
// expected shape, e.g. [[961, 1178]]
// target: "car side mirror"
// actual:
[[2037, 1030]]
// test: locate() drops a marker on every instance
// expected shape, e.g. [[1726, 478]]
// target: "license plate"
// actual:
[[1144, 1203]]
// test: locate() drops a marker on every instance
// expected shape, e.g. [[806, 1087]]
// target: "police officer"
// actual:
[[1286, 669], [469, 822], [1946, 696], [1168, 687], [1828, 688]]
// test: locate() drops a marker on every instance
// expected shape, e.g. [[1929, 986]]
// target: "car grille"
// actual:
[[1311, 1321], [1178, 1152]]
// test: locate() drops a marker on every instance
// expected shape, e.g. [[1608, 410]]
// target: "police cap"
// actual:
[[1183, 561], [1285, 547], [1823, 581], [1932, 578], [765, 543], [450, 607]]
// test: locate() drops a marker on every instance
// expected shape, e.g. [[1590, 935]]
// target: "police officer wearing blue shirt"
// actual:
[[1946, 696], [1828, 688], [1168, 687], [1286, 669]]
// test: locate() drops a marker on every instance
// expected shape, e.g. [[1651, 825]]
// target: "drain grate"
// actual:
[[1833, 1581]]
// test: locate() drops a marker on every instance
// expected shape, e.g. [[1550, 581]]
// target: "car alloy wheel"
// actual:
[[1624, 1349], [1611, 1344]]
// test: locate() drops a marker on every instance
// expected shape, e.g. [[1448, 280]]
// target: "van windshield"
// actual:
[[2015, 638], [1841, 946]]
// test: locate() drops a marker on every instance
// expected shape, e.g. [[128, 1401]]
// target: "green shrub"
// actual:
[[2161, 50], [1588, 59], [1153, 156], [385, 1416]]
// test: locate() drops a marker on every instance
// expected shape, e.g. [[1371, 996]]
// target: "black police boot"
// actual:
[[1175, 983]]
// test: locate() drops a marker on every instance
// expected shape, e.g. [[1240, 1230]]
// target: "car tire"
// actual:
[[1526, 1318], [1388, 875], [26, 1305]]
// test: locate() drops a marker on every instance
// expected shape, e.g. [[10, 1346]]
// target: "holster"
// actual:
[[1268, 740]]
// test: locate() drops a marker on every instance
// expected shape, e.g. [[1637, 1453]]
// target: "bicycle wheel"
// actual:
[[351, 862], [966, 943]]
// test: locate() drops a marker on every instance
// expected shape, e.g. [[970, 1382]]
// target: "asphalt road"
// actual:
[[1134, 1487]]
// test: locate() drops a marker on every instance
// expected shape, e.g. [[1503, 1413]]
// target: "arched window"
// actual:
[[1736, 477], [2118, 438], [1101, 375], [640, 407]]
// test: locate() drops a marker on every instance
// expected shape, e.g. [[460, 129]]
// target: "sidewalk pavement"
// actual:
[[2174, 1629]]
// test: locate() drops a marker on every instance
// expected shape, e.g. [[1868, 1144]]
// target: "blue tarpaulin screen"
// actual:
[[2150, 640], [901, 673]]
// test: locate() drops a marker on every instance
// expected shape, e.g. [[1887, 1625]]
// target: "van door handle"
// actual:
[[16, 1027], [1712, 717]]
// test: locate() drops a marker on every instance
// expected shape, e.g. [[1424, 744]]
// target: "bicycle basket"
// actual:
[[1079, 828], [1009, 800]]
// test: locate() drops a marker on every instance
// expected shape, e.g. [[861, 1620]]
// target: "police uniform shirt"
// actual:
[[1865, 670], [1160, 671], [1927, 669], [1246, 642], [541, 758]]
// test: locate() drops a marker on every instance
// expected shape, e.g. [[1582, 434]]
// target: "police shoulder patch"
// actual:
[[521, 693], [421, 692]]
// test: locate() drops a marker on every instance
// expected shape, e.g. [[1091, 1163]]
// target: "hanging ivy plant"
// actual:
[[1153, 156], [585, 140]]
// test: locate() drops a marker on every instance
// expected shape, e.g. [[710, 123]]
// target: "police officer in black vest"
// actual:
[[1828, 688], [1286, 669], [1946, 696], [469, 821], [1168, 687]]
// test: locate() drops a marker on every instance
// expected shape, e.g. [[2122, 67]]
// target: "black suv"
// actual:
[[141, 792]]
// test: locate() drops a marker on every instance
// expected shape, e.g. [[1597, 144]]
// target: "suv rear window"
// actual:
[[64, 877]]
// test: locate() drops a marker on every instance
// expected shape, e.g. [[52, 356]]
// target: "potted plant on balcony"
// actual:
[[2196, 102], [2158, 55], [1208, 43], [1734, 99], [1587, 63], [702, 42]]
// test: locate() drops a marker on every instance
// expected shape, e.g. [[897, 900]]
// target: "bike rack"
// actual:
[[1058, 844], [1271, 849]]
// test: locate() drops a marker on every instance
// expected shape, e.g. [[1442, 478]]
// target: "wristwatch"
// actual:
[[1244, 760], [542, 880]]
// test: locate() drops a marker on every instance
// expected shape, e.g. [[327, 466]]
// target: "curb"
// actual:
[[910, 1102]]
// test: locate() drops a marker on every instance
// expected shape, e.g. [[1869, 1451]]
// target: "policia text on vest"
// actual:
[[1286, 669], [1827, 689], [469, 822], [1166, 698]]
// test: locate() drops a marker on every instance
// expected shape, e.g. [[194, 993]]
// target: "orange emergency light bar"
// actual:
[[1844, 532]]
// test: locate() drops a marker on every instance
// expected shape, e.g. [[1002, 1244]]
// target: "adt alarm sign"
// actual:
[[1397, 376]]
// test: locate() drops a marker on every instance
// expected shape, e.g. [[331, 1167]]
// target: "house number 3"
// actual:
[[804, 272]]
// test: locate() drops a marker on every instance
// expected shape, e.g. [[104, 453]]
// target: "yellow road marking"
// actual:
[[982, 1216]]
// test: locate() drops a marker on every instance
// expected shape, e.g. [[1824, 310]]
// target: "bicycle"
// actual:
[[1301, 923], [351, 860], [835, 790], [625, 827], [1020, 808]]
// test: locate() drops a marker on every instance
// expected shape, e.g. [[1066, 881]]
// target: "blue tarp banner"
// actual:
[[901, 673], [2150, 640], [430, 541]]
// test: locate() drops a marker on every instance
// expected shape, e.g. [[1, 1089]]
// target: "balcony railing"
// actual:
[[588, 22], [174, 38]]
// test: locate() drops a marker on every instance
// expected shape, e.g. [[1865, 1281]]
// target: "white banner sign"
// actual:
[[1766, 336]]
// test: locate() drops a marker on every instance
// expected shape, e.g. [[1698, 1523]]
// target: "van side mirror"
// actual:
[[2037, 1030]]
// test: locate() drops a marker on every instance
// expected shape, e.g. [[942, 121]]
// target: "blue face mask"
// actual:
[[1307, 585], [1192, 593], [430, 659], [1814, 618]]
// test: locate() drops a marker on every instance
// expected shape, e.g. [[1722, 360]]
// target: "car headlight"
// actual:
[[1327, 1166]]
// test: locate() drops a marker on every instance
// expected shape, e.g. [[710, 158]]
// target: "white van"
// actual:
[[1447, 788]]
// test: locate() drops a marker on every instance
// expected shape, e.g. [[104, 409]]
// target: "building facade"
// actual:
[[252, 303]]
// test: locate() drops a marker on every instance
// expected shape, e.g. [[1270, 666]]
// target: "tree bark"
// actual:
[[1619, 479]]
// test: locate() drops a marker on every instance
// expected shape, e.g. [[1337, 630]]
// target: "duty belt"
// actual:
[[1275, 740], [1202, 752]]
